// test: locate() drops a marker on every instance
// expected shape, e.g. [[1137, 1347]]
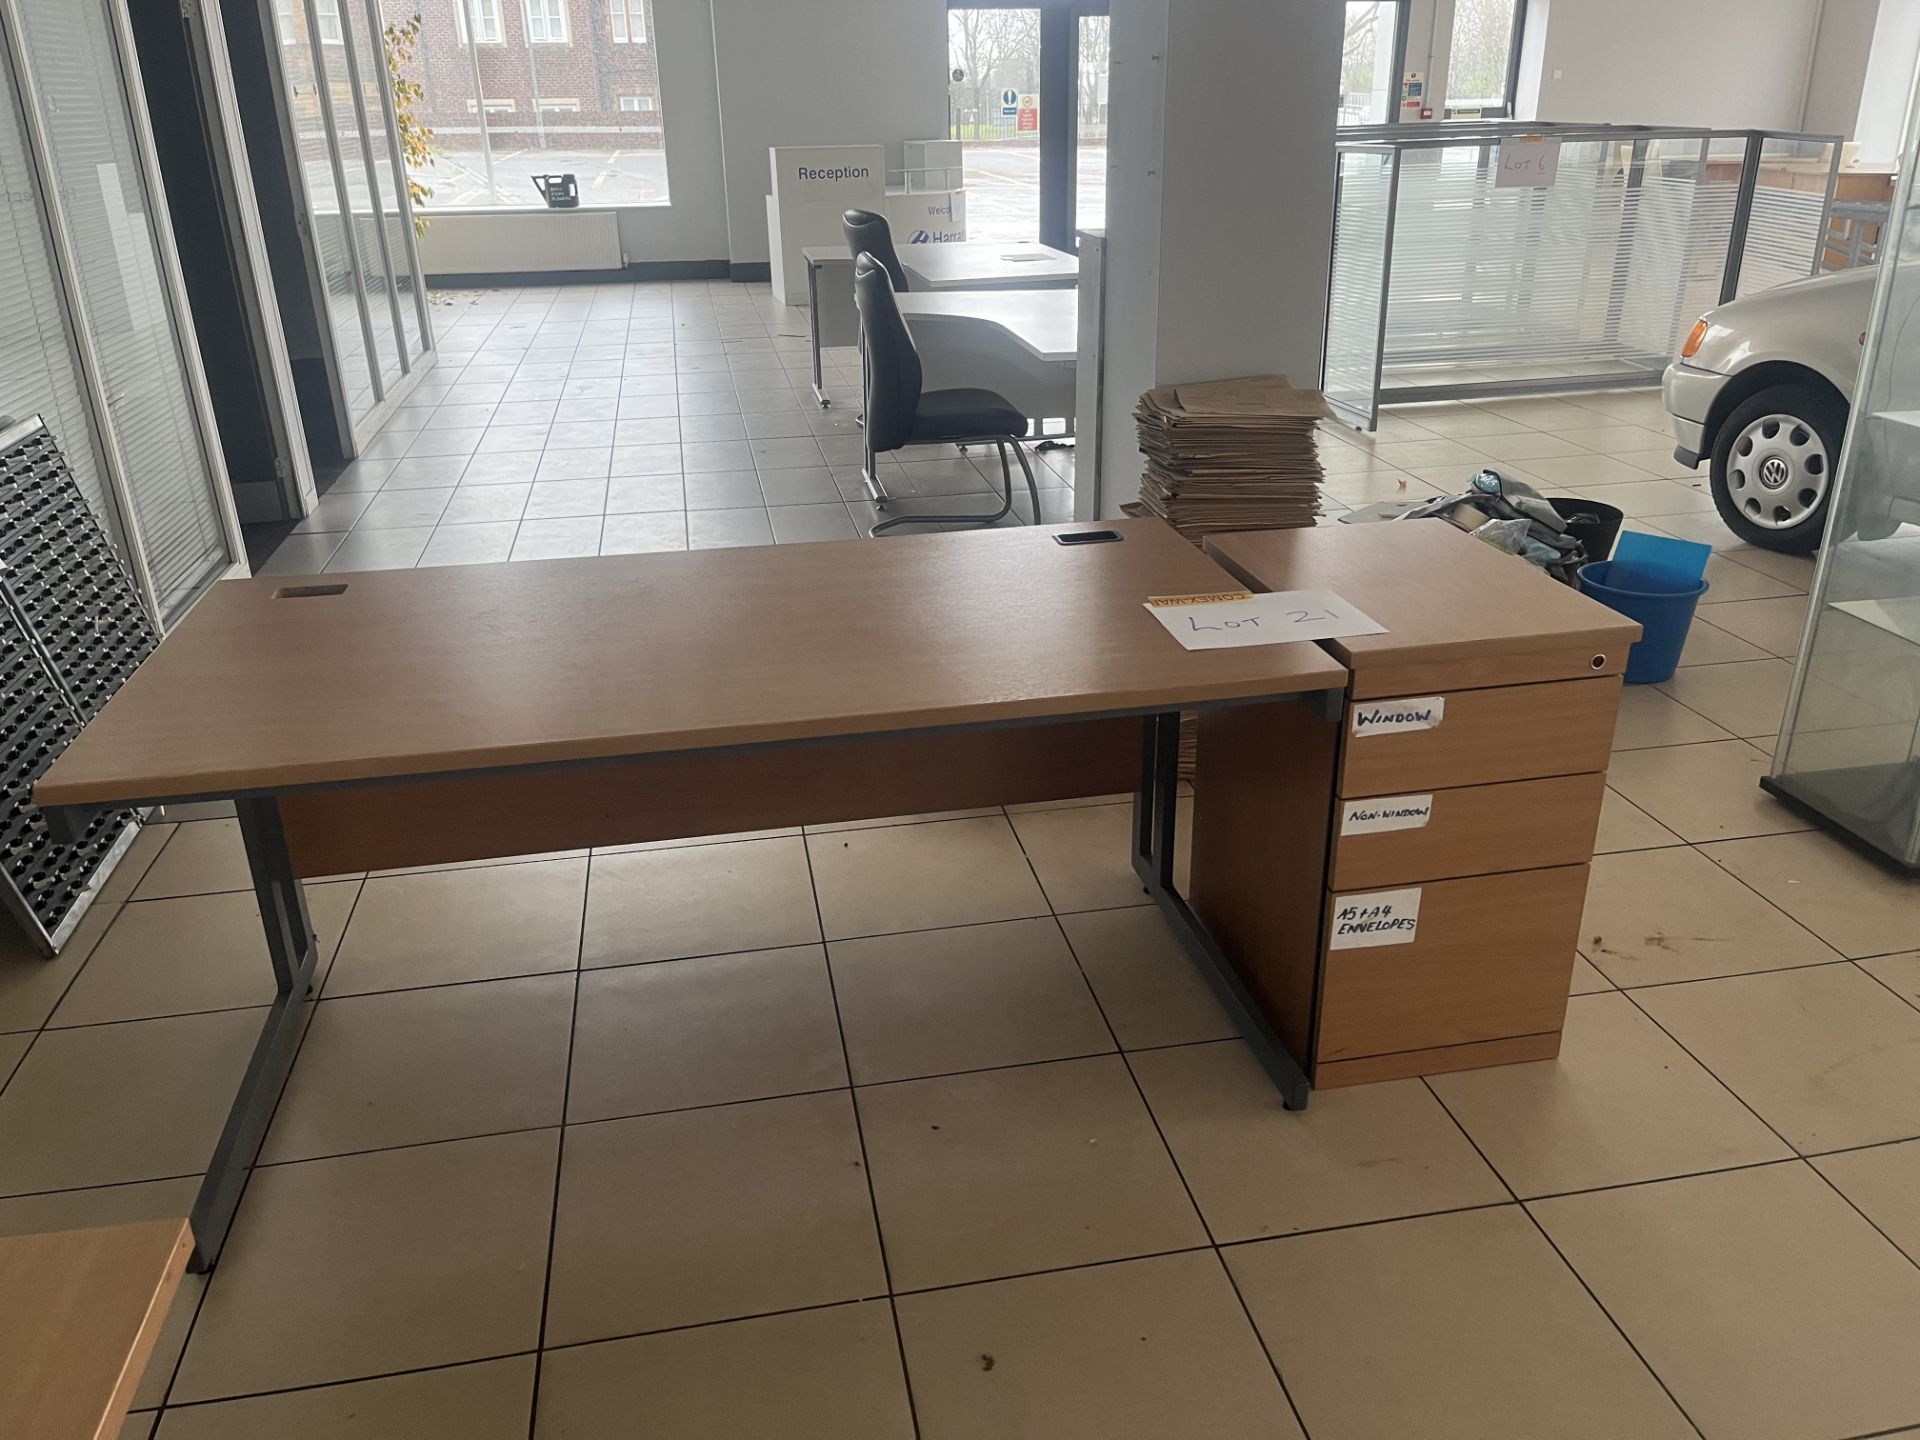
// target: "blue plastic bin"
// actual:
[[1664, 607]]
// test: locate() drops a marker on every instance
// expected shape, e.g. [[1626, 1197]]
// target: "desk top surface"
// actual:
[[422, 672], [984, 264], [79, 1314], [1045, 322], [1441, 594]]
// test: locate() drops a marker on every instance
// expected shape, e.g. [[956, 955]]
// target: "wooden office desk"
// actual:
[[80, 1312], [1481, 815], [414, 717]]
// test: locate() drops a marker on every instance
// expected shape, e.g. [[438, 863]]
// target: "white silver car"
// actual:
[[1762, 388]]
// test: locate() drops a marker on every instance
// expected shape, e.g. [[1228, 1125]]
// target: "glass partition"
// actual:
[[1849, 748], [340, 110], [128, 332], [1357, 295]]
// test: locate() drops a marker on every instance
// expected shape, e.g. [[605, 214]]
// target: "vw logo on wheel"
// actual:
[[1775, 472]]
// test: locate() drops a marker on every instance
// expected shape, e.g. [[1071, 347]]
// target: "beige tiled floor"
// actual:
[[929, 1129]]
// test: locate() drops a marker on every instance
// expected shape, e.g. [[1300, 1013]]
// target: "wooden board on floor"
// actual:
[[80, 1311]]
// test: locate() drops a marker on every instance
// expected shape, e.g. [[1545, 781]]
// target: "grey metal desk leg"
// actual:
[[292, 951], [813, 324], [1155, 818]]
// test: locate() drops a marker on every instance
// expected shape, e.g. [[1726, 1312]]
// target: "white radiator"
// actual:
[[508, 242]]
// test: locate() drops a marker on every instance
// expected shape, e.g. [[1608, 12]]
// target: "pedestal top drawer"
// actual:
[[1478, 737], [1449, 963], [1474, 830]]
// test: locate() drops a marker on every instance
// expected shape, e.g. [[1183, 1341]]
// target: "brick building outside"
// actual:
[[574, 76]]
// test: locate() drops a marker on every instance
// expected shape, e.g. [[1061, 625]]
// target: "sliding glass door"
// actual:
[[1027, 96]]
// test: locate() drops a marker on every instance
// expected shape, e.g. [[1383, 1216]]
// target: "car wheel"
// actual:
[[1773, 466]]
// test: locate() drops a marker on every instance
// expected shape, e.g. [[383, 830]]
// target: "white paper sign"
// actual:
[[1238, 617], [1395, 812], [1386, 917], [1527, 161], [1397, 717]]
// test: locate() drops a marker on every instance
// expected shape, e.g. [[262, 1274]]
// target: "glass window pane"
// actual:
[[102, 191], [997, 52], [1090, 160], [565, 86], [39, 372], [1480, 60], [1366, 62]]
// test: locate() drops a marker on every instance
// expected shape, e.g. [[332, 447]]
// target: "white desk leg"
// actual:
[[813, 324]]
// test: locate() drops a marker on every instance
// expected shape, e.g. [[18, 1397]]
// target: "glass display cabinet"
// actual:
[[1849, 748]]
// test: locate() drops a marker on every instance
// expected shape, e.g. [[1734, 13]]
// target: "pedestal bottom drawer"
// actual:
[[1448, 963]]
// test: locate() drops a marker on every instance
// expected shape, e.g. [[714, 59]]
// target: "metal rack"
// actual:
[[72, 630]]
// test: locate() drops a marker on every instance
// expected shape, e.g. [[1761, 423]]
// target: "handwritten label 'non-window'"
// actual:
[[1386, 917], [1237, 617], [1395, 812], [1396, 717]]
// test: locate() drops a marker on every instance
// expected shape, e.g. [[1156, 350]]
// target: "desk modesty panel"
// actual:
[[276, 684]]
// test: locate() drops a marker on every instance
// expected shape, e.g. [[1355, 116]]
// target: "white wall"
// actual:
[[1674, 62], [1220, 167], [820, 72], [694, 225], [1888, 80], [1844, 41]]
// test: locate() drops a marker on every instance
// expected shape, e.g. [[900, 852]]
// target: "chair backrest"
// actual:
[[870, 234], [893, 374]]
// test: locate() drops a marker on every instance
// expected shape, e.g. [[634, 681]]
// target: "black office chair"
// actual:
[[870, 234], [900, 413]]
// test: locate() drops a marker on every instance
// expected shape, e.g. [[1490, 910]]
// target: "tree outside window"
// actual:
[[1480, 60]]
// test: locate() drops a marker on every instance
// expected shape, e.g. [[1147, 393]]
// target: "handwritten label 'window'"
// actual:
[[1397, 717], [1238, 617], [1386, 917]]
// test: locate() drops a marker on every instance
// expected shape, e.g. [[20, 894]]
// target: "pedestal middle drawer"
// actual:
[[1470, 830]]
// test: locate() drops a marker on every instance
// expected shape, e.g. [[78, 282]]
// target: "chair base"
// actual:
[[1000, 443]]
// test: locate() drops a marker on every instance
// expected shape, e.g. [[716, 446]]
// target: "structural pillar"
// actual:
[[1220, 172]]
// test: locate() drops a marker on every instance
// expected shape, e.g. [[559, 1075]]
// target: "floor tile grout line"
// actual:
[[1166, 1145], [560, 1155], [860, 1135], [1579, 1279], [1799, 1155]]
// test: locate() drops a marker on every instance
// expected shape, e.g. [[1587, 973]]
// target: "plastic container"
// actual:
[[1664, 607], [1594, 525]]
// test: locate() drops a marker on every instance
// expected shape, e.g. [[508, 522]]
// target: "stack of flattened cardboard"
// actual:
[[1231, 455]]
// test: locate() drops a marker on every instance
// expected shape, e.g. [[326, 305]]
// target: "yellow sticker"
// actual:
[[1222, 597]]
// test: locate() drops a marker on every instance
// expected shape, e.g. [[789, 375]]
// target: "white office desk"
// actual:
[[959, 265], [1044, 323], [989, 265]]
